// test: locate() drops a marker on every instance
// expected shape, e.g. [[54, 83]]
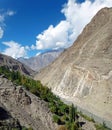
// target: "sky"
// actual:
[[30, 27]]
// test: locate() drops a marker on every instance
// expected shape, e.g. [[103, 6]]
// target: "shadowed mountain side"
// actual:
[[83, 73], [4, 114], [15, 65], [7, 122]]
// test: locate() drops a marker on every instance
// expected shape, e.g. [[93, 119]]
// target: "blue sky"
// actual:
[[28, 27], [31, 18]]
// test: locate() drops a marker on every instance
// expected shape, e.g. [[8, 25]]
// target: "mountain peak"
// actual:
[[99, 20], [83, 73]]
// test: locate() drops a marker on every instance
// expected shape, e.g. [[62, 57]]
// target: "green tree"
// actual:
[[72, 113]]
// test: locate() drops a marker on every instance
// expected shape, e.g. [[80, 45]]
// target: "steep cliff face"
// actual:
[[83, 73]]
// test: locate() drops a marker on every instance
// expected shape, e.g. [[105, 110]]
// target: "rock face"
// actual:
[[83, 73], [7, 121], [25, 107], [15, 65], [38, 62]]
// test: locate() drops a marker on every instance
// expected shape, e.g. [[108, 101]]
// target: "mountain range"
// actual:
[[42, 60], [80, 75], [83, 73]]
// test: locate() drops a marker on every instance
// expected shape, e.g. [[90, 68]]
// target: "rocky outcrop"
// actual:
[[7, 121], [83, 73], [26, 107]]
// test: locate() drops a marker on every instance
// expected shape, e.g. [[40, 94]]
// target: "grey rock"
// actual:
[[28, 109]]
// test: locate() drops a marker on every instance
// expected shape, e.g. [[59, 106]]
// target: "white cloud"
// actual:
[[77, 15], [3, 15], [10, 13], [1, 32], [1, 18], [38, 53], [15, 50], [53, 37], [33, 47]]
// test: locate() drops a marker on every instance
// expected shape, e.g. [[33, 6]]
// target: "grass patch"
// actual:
[[87, 117], [101, 127]]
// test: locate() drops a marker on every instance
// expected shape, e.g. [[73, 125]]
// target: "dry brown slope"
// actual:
[[83, 73]]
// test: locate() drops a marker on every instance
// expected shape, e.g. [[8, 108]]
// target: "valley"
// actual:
[[72, 92], [36, 107]]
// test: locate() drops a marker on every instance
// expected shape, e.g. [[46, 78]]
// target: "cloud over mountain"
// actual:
[[15, 50], [77, 15]]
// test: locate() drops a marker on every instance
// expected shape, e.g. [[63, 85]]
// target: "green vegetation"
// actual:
[[56, 119], [64, 115], [97, 126], [101, 127], [86, 117], [7, 126], [62, 127], [24, 128]]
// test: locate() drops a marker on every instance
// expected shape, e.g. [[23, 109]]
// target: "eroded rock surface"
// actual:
[[83, 73], [24, 106]]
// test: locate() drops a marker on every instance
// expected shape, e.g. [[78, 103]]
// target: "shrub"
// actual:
[[56, 119], [86, 117], [30, 128], [101, 127], [62, 128], [53, 109]]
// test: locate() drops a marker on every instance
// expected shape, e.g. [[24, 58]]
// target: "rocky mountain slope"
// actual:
[[7, 121], [25, 107], [15, 65], [83, 73], [38, 62], [19, 108]]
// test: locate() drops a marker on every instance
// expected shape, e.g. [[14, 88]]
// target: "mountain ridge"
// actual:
[[83, 73], [15, 65], [42, 60]]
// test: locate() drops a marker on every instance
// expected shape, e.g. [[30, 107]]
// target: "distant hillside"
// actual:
[[15, 65], [38, 62]]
